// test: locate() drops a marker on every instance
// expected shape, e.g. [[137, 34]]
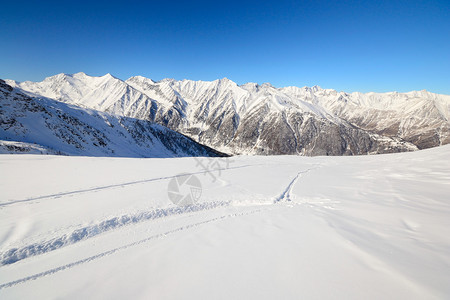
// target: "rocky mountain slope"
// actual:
[[262, 119], [29, 125]]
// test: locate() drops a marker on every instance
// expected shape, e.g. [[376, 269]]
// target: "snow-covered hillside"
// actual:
[[271, 227], [262, 119], [30, 125]]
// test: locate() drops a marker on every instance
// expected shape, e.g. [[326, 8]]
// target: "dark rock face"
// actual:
[[420, 123], [266, 133], [300, 134]]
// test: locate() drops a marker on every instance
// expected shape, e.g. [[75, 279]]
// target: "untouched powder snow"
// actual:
[[277, 227]]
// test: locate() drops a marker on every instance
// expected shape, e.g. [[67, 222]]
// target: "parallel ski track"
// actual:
[[15, 254], [112, 251], [94, 189], [120, 221]]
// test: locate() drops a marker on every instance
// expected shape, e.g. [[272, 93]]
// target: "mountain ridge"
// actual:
[[46, 126], [263, 119], [318, 87]]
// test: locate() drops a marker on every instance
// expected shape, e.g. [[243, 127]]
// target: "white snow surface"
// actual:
[[276, 227]]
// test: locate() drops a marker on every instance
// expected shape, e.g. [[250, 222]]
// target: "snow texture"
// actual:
[[265, 227]]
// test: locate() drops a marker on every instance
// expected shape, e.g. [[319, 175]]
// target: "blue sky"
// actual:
[[345, 45]]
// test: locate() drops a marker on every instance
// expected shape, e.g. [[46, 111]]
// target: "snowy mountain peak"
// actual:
[[80, 74], [109, 76], [267, 85], [224, 80], [60, 76], [252, 87], [140, 79]]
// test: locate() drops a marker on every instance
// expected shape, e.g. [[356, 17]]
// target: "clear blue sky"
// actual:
[[346, 45]]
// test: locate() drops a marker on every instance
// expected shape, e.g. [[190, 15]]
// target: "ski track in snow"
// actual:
[[285, 196], [112, 251], [15, 254], [95, 189]]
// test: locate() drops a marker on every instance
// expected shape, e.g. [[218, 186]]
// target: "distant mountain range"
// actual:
[[46, 126], [260, 119]]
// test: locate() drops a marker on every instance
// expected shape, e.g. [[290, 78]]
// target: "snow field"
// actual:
[[265, 227]]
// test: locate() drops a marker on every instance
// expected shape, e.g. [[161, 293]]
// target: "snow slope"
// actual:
[[42, 125], [284, 227], [262, 119]]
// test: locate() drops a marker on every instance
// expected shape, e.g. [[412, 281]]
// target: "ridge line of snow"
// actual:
[[313, 88]]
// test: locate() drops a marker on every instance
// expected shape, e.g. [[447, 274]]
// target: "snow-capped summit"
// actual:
[[140, 79]]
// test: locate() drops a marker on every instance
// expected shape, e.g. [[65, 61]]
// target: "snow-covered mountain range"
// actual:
[[262, 119], [29, 125]]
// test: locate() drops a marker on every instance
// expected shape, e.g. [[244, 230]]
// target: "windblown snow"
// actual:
[[265, 227]]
